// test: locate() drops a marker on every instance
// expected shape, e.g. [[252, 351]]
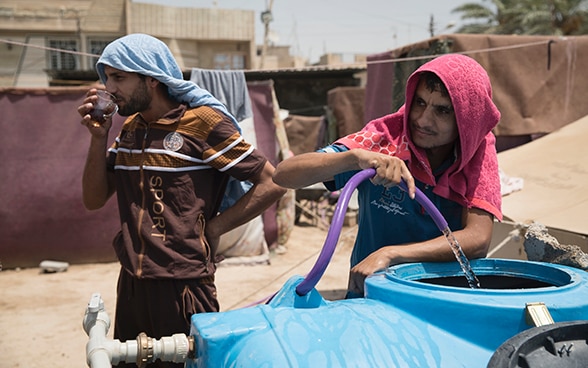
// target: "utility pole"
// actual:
[[266, 18]]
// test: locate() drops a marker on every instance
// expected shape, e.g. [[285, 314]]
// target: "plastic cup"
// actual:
[[104, 107]]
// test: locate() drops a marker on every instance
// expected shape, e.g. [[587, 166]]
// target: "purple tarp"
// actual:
[[43, 150]]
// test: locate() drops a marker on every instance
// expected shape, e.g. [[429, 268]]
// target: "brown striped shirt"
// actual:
[[170, 178]]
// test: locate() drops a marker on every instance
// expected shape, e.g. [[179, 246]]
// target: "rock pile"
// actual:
[[542, 247]]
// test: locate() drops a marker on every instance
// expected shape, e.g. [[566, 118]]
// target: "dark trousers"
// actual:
[[160, 308]]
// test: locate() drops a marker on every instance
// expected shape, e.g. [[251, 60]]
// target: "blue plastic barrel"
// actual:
[[413, 315]]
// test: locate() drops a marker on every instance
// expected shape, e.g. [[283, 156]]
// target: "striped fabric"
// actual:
[[171, 177], [156, 157]]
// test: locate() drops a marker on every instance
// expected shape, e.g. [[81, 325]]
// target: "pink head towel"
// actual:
[[473, 179]]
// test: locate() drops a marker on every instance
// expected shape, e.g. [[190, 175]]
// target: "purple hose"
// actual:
[[428, 205], [326, 254]]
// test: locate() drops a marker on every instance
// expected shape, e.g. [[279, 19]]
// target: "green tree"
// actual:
[[531, 17]]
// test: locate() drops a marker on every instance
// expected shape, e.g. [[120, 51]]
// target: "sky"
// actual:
[[314, 27]]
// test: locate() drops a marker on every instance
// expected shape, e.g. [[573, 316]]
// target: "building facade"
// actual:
[[42, 42]]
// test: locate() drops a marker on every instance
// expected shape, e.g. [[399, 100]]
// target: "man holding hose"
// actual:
[[440, 141]]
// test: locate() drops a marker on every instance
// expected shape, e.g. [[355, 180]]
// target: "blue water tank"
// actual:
[[412, 315]]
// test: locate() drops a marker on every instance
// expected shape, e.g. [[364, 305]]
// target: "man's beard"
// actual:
[[138, 102]]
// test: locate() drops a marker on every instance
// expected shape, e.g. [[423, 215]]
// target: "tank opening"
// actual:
[[489, 282]]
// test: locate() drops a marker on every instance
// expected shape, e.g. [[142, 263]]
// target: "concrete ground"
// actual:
[[41, 313]]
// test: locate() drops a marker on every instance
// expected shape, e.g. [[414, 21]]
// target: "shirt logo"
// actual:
[[173, 141]]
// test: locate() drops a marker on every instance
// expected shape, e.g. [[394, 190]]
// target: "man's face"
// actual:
[[432, 119], [130, 89]]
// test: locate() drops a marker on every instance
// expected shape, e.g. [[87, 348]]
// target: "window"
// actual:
[[62, 60], [96, 46], [229, 61], [238, 61]]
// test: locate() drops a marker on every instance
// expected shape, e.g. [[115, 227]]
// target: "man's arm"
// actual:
[[260, 196], [97, 182], [315, 167], [474, 240]]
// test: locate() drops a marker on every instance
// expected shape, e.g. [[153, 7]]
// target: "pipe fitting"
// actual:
[[176, 348], [103, 353], [144, 350]]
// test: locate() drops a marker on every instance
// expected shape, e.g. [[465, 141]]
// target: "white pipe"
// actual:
[[103, 353], [96, 324]]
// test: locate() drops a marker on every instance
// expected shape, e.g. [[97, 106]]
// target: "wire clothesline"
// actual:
[[468, 52], [382, 61], [10, 42]]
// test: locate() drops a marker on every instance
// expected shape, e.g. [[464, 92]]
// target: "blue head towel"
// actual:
[[146, 55]]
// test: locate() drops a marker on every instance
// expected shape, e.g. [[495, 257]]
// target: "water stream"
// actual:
[[462, 259]]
